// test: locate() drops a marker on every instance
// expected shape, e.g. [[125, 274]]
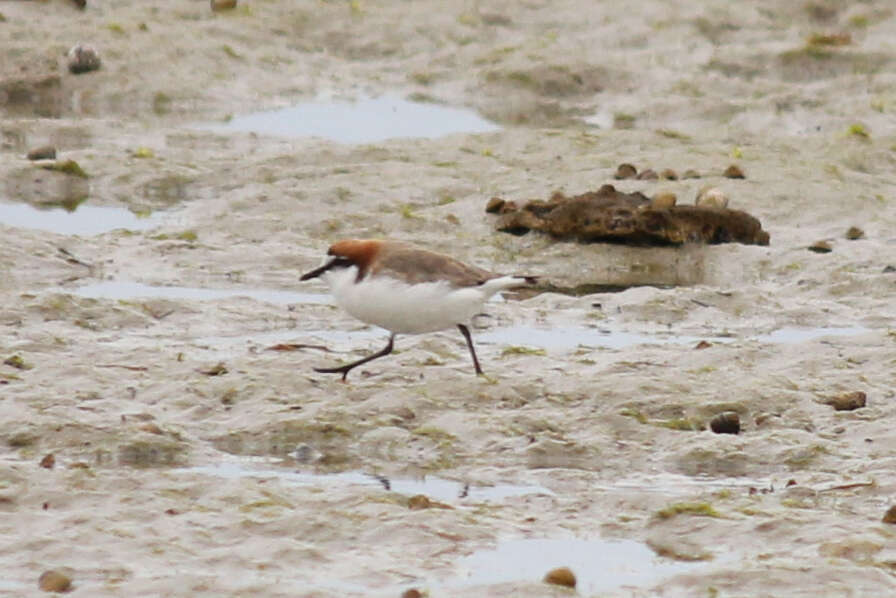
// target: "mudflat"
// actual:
[[162, 431]]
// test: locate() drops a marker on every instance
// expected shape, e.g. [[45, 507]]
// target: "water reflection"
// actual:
[[432, 486], [599, 565], [364, 121], [82, 219]]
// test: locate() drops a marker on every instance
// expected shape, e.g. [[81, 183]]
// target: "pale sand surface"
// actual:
[[171, 481]]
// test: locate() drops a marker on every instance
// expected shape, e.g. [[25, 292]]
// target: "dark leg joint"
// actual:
[[345, 369]]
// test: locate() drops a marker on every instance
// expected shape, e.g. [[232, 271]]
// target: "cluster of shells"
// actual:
[[708, 196]]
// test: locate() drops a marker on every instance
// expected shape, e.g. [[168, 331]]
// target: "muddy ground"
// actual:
[[190, 459]]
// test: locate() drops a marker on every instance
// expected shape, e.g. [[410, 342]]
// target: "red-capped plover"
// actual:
[[407, 290]]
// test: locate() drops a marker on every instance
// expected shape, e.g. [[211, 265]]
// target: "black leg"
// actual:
[[345, 369], [466, 332]]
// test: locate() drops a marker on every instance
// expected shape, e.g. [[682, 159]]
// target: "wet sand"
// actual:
[[191, 458]]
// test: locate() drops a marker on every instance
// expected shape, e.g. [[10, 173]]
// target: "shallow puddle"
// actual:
[[434, 487], [127, 290], [364, 121], [85, 220], [599, 565]]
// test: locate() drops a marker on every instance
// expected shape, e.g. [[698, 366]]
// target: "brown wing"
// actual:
[[415, 265]]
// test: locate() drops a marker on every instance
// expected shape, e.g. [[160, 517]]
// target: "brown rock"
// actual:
[[734, 172], [647, 175], [412, 593], [820, 247], [44, 152], [221, 5], [890, 515], [725, 423], [669, 174], [854, 232], [561, 576], [848, 401], [608, 215], [703, 345], [625, 171], [48, 462], [54, 581], [419, 501]]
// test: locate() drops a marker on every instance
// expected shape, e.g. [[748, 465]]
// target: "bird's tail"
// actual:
[[503, 283]]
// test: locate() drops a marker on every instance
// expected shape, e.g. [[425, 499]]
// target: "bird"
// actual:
[[406, 289]]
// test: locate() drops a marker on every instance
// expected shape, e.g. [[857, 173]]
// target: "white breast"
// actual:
[[403, 308]]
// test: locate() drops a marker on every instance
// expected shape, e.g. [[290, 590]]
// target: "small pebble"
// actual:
[[725, 423], [219, 5], [412, 593], [664, 199], [848, 401], [625, 171], [669, 174], [854, 232], [44, 152], [890, 515], [734, 172], [647, 175], [419, 501], [219, 369], [54, 581], [703, 345], [561, 576], [690, 173], [83, 59], [889, 269], [820, 247], [48, 462], [711, 197]]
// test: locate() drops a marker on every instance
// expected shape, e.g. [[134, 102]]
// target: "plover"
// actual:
[[407, 290]]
